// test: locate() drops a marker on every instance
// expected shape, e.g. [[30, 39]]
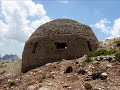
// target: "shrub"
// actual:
[[3, 65], [11, 83], [88, 60], [117, 56], [98, 53], [116, 43]]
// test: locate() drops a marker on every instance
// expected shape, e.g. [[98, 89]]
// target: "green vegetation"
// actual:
[[115, 43], [11, 83], [98, 53], [2, 65], [117, 55], [88, 60], [103, 52]]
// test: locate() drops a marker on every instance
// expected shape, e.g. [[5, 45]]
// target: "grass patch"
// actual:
[[3, 65], [117, 43], [117, 56], [98, 53]]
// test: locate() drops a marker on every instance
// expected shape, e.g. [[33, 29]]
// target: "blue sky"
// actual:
[[19, 19], [84, 11]]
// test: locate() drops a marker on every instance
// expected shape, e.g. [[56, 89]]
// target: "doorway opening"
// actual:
[[89, 46], [34, 48]]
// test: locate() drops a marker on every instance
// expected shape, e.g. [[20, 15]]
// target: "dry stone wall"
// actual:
[[57, 40]]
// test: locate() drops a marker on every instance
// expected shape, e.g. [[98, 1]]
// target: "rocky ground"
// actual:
[[103, 73], [68, 75], [10, 68]]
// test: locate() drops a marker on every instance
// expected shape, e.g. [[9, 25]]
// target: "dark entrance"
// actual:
[[61, 45], [89, 46], [34, 48]]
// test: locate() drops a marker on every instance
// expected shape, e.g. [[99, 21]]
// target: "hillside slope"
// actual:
[[98, 73], [67, 75]]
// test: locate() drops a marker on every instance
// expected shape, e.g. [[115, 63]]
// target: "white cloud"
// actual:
[[112, 31], [3, 29], [16, 15], [39, 22], [64, 1], [115, 32], [10, 46], [17, 23], [102, 25]]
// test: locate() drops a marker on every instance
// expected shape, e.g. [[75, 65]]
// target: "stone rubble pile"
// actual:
[[69, 75], [103, 58]]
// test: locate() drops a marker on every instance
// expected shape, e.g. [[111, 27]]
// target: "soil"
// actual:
[[67, 75]]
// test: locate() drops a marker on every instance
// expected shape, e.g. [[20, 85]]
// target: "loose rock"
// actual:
[[104, 76], [69, 69], [88, 86]]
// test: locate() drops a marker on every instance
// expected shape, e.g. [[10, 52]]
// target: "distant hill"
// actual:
[[9, 57]]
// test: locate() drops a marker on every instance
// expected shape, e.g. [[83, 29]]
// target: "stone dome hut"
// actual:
[[56, 40]]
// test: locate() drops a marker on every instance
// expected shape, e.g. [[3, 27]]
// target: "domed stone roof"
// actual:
[[63, 26], [56, 40]]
